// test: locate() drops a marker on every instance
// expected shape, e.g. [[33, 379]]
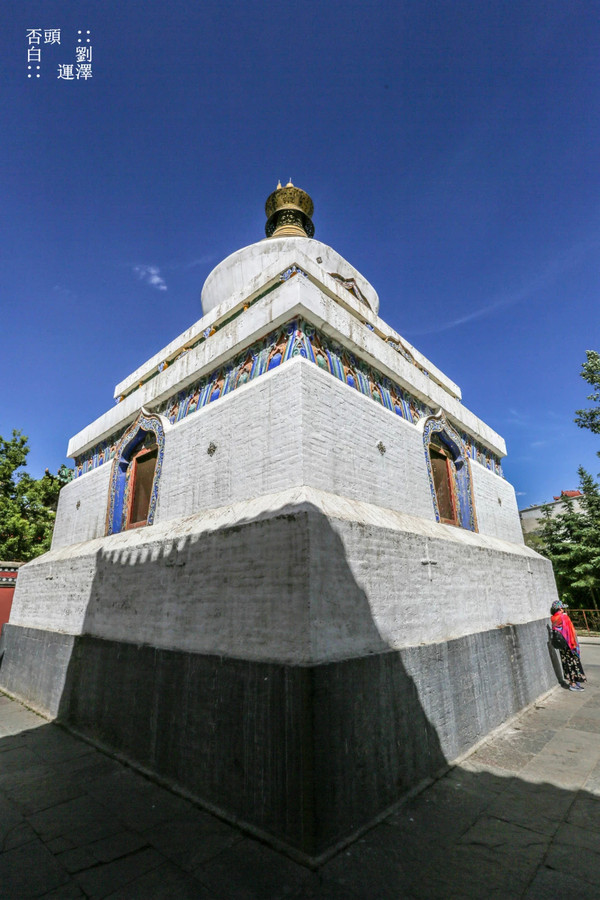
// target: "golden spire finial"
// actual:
[[289, 210], [279, 184]]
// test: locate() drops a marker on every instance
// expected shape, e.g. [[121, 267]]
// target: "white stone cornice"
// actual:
[[267, 279], [293, 298]]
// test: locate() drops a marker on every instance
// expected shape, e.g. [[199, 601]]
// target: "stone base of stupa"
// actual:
[[296, 662], [284, 628]]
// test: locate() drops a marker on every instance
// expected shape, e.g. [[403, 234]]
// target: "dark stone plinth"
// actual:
[[36, 663], [304, 755]]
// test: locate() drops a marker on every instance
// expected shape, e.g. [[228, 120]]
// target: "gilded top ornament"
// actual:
[[289, 210]]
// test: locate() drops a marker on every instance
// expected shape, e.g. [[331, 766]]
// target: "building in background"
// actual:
[[531, 516]]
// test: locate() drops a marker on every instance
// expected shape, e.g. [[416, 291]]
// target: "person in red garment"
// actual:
[[568, 647]]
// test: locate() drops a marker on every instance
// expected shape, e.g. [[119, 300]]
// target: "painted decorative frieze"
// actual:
[[348, 284], [98, 455], [296, 338], [481, 454]]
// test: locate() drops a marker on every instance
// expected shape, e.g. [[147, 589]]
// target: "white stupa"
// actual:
[[289, 576]]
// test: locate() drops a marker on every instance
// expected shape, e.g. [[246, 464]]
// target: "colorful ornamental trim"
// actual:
[[296, 338], [210, 331], [136, 434], [462, 470], [98, 455], [8, 575]]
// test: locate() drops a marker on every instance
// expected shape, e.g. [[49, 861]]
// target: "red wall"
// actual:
[[6, 595]]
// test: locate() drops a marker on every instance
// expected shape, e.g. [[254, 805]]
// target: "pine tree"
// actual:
[[587, 553], [568, 540], [571, 540]]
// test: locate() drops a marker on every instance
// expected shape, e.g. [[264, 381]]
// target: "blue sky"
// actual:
[[451, 149]]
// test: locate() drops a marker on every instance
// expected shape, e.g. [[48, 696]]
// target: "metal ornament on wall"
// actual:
[[146, 424], [438, 424], [351, 286]]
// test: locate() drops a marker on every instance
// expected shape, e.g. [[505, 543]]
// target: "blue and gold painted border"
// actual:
[[119, 479], [438, 424], [295, 338]]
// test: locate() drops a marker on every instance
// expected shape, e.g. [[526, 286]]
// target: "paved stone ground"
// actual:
[[520, 818]]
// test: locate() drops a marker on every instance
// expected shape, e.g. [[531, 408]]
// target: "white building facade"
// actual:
[[533, 516]]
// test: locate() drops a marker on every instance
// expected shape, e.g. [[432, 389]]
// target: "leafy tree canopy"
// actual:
[[27, 505], [590, 418], [571, 540]]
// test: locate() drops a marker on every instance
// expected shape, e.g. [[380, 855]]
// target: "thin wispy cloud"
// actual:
[[151, 275], [201, 261], [63, 291], [542, 279], [516, 417]]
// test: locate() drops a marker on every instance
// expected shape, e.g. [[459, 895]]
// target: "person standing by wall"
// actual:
[[564, 638]]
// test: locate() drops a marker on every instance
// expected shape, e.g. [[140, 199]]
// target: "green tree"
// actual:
[[27, 505], [590, 418], [571, 540]]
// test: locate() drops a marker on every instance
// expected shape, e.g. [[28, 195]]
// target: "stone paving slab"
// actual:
[[550, 884], [190, 841], [518, 818], [165, 882], [30, 871]]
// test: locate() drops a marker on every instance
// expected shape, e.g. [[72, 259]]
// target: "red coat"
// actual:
[[562, 623]]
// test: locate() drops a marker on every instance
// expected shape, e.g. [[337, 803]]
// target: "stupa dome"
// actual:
[[290, 231]]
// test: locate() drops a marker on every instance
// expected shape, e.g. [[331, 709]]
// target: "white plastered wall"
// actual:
[[296, 576], [82, 504], [342, 432], [256, 435], [295, 425], [496, 505]]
